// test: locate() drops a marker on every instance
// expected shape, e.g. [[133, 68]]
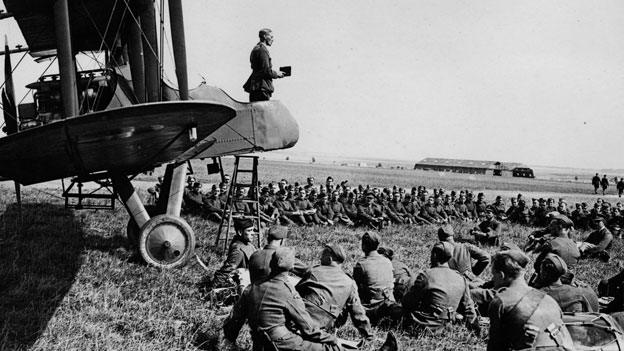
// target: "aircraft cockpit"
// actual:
[[96, 88]]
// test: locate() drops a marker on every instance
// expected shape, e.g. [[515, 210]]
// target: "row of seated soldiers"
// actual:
[[522, 314], [290, 204]]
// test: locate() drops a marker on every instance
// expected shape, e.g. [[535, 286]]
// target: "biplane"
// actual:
[[112, 123]]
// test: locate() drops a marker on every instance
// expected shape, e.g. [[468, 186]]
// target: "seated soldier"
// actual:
[[370, 214], [558, 242], [522, 317], [238, 255], [403, 276], [305, 208], [463, 255], [598, 241], [192, 200], [259, 268], [488, 232], [213, 206], [570, 298], [374, 277], [324, 210], [439, 294], [287, 211], [276, 313], [338, 209], [330, 295]]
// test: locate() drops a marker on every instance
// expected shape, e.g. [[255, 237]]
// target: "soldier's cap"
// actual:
[[490, 209], [370, 195], [320, 195], [283, 259], [498, 197], [386, 251], [554, 265], [521, 201], [370, 239], [337, 251], [541, 199], [445, 232], [508, 245], [310, 178], [584, 204], [443, 251], [241, 224], [562, 219], [197, 185], [277, 232], [599, 219], [516, 255]]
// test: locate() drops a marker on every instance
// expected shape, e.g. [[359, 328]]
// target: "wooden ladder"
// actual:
[[252, 199]]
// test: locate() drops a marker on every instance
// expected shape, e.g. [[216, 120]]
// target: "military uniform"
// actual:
[[330, 295], [461, 260], [598, 241], [573, 299], [436, 297], [491, 230], [403, 279], [269, 306], [374, 277], [522, 317], [238, 257], [260, 264]]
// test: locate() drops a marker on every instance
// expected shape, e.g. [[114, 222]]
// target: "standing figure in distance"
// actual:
[[259, 85]]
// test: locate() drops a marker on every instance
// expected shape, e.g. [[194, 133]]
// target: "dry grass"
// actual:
[[68, 281]]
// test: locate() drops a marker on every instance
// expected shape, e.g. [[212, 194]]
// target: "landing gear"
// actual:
[[166, 241]]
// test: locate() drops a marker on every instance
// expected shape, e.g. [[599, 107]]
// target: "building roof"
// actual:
[[448, 162]]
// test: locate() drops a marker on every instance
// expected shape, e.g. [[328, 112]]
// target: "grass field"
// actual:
[[69, 282]]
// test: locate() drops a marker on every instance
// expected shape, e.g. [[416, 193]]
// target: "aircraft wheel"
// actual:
[[166, 241], [133, 233]]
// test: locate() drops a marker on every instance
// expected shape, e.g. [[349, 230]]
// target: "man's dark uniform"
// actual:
[[330, 295], [269, 306], [571, 298], [596, 183], [238, 257], [492, 229], [601, 238], [461, 260], [523, 317], [374, 277], [260, 261], [436, 297], [259, 85]]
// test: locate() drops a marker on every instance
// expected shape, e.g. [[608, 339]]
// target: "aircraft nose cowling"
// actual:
[[275, 127]]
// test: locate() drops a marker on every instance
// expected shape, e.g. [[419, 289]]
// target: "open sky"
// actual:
[[539, 82]]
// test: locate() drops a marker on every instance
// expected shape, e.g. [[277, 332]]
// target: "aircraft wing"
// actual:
[[129, 139], [90, 21]]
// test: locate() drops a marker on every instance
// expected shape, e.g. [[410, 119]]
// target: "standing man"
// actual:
[[604, 183], [259, 85], [620, 187], [596, 183]]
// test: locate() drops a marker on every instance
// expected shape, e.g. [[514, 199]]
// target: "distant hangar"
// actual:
[[493, 168]]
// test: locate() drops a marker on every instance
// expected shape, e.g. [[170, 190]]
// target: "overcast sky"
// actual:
[[539, 82]]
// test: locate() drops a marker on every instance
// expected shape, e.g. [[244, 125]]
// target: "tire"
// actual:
[[166, 241]]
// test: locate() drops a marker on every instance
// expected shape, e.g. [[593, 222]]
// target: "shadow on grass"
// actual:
[[40, 255]]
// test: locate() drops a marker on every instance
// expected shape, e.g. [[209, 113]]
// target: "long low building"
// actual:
[[493, 168]]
